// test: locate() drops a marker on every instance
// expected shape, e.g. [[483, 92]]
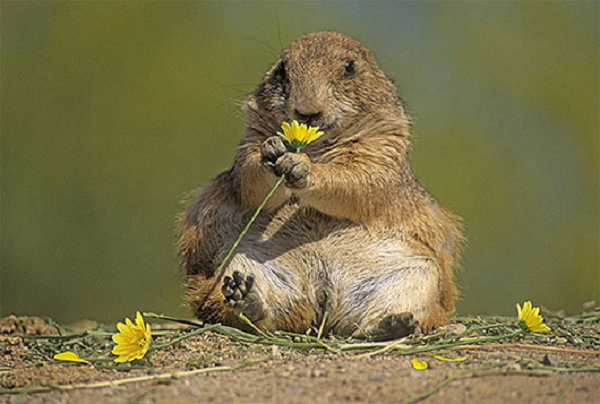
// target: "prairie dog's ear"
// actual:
[[278, 71]]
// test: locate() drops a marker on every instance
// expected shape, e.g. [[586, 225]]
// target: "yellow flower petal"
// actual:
[[121, 339], [139, 320], [540, 328], [124, 329], [287, 131], [295, 126], [312, 134], [124, 349], [69, 356], [419, 365], [442, 358], [527, 307]]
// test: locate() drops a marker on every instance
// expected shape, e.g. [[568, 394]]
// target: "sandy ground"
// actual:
[[215, 368]]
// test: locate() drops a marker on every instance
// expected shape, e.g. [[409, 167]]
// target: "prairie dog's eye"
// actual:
[[350, 69], [279, 73]]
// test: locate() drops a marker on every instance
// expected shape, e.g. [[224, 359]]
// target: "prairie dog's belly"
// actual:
[[313, 244], [340, 267], [360, 252]]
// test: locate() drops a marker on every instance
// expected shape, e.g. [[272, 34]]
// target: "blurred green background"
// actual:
[[112, 111]]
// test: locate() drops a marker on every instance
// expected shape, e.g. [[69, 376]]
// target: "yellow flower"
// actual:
[[133, 341], [419, 365], [299, 135], [69, 356], [530, 319]]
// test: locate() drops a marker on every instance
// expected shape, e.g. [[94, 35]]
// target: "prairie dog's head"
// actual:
[[323, 79]]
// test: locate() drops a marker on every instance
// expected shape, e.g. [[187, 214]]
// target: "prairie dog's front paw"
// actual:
[[273, 148], [295, 167]]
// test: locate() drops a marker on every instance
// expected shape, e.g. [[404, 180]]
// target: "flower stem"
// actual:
[[481, 328], [220, 269], [252, 219], [174, 341]]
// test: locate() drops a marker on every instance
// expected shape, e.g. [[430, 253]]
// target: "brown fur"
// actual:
[[357, 236]]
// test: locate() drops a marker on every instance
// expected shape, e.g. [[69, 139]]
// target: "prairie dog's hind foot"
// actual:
[[240, 295], [394, 326]]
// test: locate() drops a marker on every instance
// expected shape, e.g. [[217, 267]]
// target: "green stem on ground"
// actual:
[[470, 330], [172, 319], [92, 360], [184, 336], [348, 347], [428, 337], [292, 335], [88, 333], [266, 338], [320, 333], [255, 328]]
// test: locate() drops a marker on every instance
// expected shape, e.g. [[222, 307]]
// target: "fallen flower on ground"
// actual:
[[133, 341], [530, 319]]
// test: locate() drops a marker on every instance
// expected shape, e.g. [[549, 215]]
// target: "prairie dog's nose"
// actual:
[[308, 117]]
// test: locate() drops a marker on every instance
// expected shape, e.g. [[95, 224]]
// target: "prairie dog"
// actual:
[[352, 233]]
